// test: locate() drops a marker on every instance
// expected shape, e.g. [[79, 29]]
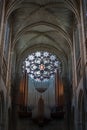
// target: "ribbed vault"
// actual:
[[43, 25]]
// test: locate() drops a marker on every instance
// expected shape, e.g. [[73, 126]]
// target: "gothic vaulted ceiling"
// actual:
[[42, 24]]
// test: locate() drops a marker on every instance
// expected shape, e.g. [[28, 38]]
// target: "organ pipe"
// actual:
[[59, 90], [23, 90]]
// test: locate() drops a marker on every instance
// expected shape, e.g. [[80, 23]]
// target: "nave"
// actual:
[[43, 51]]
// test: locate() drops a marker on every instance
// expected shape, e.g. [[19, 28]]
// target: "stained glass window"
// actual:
[[41, 65]]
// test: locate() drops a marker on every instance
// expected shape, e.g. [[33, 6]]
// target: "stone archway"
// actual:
[[81, 111], [1, 110]]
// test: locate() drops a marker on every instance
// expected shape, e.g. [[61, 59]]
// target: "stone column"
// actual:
[[2, 34], [84, 62], [74, 82], [8, 79]]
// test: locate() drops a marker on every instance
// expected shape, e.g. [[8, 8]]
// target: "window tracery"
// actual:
[[41, 65]]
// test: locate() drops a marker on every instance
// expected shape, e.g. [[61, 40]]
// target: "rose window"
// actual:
[[41, 65]]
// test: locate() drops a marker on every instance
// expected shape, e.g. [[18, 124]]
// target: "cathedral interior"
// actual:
[[43, 64]]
